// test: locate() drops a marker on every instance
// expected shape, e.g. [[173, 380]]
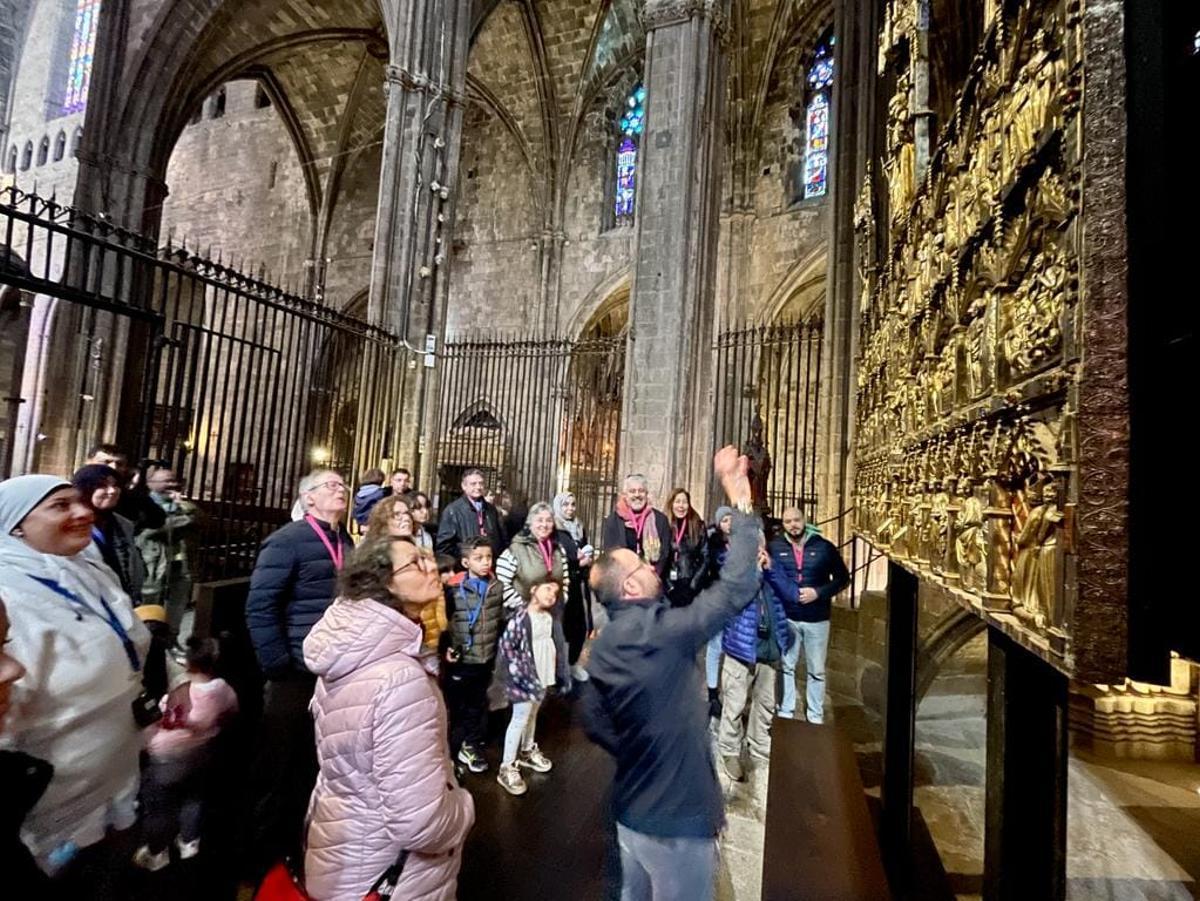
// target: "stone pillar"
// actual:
[[666, 423], [852, 146], [409, 272]]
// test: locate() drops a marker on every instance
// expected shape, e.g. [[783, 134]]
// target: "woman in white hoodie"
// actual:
[[74, 630]]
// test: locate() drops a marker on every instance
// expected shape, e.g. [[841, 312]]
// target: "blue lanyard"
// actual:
[[78, 603], [98, 537], [473, 616]]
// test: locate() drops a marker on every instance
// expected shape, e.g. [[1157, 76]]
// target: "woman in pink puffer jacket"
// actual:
[[386, 781]]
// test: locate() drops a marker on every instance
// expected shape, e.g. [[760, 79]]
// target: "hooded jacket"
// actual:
[[72, 708], [385, 782], [365, 499]]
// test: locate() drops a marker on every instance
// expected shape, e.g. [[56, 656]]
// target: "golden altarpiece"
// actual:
[[990, 373]]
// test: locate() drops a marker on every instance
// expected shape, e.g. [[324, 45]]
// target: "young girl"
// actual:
[[529, 659], [180, 752]]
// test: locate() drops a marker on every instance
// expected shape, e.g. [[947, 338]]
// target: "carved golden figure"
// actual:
[[1036, 575]]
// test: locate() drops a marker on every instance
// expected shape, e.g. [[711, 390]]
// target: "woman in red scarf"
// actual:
[[636, 525]]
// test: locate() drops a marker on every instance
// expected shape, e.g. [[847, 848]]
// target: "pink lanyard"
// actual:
[[639, 527], [336, 554], [547, 552], [679, 532], [798, 553]]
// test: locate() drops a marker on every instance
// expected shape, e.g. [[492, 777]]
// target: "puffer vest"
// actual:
[[478, 644], [531, 568]]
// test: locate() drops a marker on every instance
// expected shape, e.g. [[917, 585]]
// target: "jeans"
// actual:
[[814, 639], [173, 792], [712, 661], [520, 729], [747, 706], [666, 869]]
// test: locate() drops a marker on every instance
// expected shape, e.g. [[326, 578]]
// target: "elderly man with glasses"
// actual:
[[636, 526], [294, 581]]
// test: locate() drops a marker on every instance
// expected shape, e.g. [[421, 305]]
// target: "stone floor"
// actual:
[[1133, 827]]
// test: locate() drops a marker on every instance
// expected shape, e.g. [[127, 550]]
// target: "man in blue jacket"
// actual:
[[644, 704], [806, 574], [294, 580], [754, 643]]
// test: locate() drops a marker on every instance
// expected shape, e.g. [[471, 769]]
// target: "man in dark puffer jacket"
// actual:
[[294, 580]]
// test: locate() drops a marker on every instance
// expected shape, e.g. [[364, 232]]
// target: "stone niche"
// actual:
[[992, 417]]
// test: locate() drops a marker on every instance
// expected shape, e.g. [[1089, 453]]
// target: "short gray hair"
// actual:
[[638, 478], [540, 507], [313, 479]]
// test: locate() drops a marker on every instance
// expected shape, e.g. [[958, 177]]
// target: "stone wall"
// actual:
[[35, 111], [236, 187]]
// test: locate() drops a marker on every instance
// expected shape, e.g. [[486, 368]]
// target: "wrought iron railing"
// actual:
[[238, 384]]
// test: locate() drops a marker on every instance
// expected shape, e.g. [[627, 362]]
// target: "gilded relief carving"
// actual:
[[966, 443]]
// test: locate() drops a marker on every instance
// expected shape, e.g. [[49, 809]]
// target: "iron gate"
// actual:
[[241, 386], [767, 398], [539, 416]]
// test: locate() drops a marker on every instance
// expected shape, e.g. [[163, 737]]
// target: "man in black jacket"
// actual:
[[806, 573], [294, 580], [634, 524], [470, 516], [644, 704]]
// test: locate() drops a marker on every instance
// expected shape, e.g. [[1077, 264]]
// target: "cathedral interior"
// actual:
[[913, 256]]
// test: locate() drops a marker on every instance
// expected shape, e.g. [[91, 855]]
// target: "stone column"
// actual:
[[852, 145], [667, 413], [409, 274]]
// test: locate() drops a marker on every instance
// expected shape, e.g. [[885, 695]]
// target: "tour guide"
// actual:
[[644, 704]]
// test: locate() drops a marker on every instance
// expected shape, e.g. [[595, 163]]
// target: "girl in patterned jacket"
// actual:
[[528, 658]]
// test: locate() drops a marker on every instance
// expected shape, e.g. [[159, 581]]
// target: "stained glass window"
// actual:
[[816, 121], [83, 48], [633, 123]]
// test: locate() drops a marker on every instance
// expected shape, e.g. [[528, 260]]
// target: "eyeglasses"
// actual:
[[332, 485]]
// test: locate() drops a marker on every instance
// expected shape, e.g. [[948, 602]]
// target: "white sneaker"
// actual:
[[149, 861], [187, 850], [578, 673]]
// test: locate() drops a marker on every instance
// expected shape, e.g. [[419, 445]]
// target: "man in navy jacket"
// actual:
[[644, 704], [806, 573], [294, 580]]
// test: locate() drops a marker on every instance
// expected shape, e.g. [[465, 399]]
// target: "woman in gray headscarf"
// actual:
[[73, 628], [577, 612]]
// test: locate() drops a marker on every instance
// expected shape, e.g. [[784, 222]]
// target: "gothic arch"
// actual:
[[603, 298], [949, 635], [801, 292]]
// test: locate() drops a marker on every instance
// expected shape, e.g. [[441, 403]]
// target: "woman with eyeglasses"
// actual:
[[386, 796], [73, 629], [421, 508], [391, 516]]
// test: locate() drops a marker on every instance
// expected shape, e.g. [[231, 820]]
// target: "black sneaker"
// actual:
[[472, 759]]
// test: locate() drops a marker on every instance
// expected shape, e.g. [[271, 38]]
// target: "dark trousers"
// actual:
[[285, 771], [466, 688], [172, 798]]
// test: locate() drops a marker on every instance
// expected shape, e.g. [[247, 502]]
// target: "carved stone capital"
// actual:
[[661, 13]]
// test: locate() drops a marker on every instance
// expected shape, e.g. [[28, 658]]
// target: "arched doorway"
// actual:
[[590, 442]]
